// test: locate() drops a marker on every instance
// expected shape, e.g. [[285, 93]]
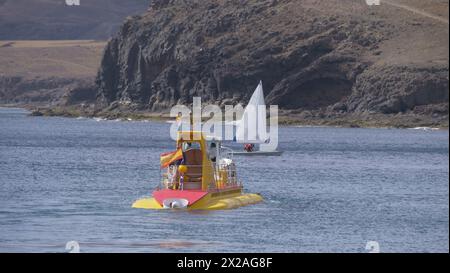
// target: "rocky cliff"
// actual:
[[323, 57]]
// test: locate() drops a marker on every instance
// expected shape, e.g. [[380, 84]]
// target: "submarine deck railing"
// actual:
[[226, 151], [225, 176]]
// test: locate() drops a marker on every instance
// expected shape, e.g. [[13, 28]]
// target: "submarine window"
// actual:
[[191, 145]]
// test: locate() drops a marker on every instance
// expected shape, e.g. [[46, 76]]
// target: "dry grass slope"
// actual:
[[68, 59]]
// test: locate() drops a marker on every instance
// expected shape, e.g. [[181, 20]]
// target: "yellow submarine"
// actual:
[[198, 175]]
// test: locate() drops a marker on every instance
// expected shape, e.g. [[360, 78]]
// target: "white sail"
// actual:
[[252, 126]]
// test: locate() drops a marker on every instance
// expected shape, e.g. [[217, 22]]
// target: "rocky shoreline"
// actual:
[[286, 118]]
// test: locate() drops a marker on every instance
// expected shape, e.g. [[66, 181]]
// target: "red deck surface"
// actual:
[[191, 195]]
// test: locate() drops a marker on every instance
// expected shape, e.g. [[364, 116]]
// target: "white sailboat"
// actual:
[[252, 127]]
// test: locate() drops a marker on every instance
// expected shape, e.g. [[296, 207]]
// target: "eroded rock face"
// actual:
[[394, 89], [309, 55]]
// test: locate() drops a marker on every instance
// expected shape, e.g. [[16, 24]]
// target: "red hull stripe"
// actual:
[[190, 195]]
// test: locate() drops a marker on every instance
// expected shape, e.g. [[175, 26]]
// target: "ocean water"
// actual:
[[332, 190]]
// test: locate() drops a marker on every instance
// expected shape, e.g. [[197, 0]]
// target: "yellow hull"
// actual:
[[211, 201]]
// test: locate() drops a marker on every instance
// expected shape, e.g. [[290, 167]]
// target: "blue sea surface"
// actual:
[[332, 190]]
